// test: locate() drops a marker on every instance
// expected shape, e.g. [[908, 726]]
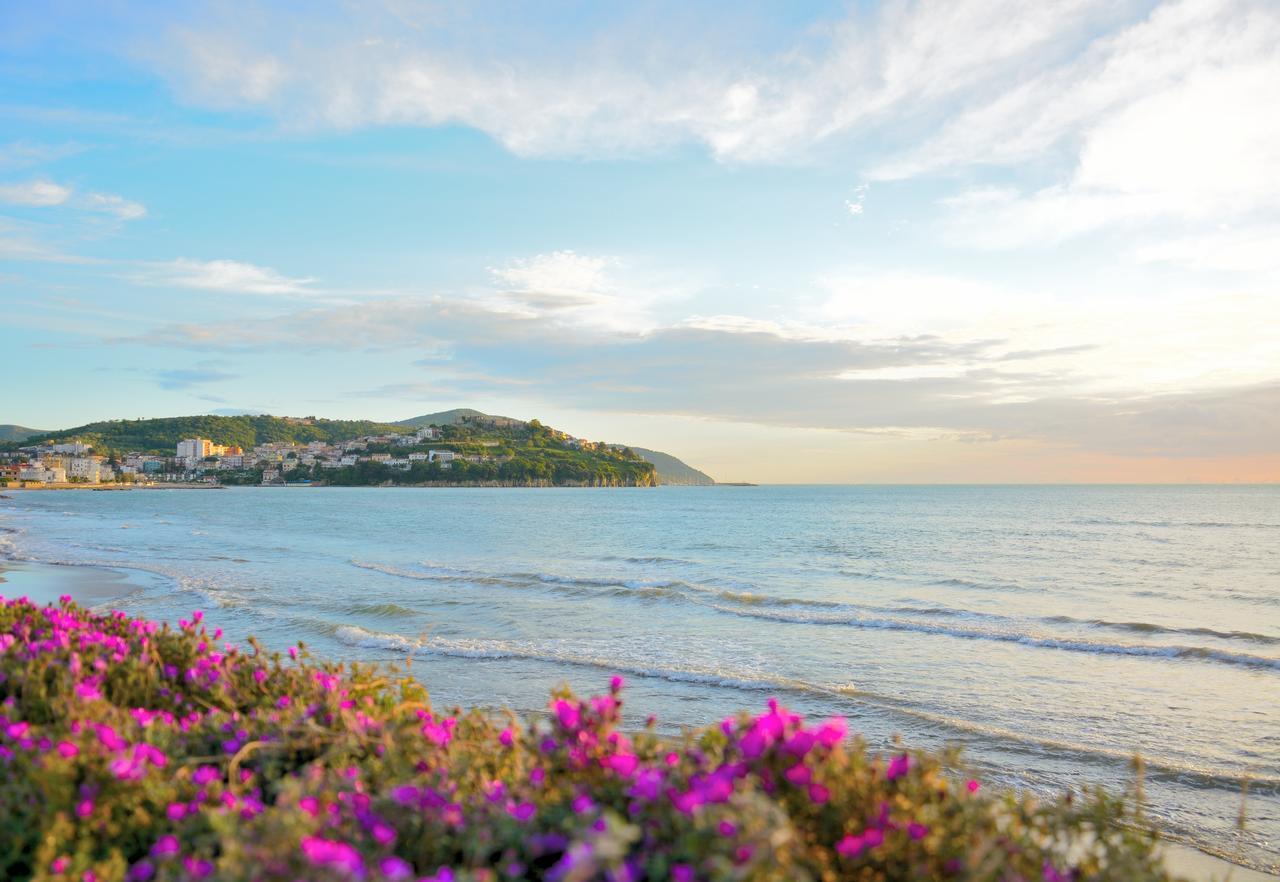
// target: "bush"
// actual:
[[137, 751]]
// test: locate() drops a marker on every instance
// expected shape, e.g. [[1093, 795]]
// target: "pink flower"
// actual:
[[917, 831], [622, 763], [799, 774], [333, 853], [84, 808], [166, 846], [522, 812], [832, 732], [682, 873], [972, 785], [616, 683], [205, 775], [310, 805], [395, 868], [67, 750], [176, 811], [506, 737], [60, 864], [818, 794], [728, 828], [898, 767], [850, 846], [567, 713]]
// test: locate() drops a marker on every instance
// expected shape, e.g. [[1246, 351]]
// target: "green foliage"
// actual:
[[140, 752], [161, 435]]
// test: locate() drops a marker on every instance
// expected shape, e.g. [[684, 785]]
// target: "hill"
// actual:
[[160, 435], [458, 416], [18, 433], [672, 470]]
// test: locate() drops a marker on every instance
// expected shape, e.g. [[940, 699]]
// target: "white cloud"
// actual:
[[116, 206], [46, 194], [1168, 122], [580, 290], [230, 276], [1254, 249], [40, 193], [623, 86]]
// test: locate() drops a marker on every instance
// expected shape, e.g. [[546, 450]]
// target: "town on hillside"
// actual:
[[476, 451]]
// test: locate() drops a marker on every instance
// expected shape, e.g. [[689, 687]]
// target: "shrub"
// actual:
[[136, 751]]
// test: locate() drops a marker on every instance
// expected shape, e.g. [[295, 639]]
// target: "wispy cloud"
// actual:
[[42, 193], [38, 193], [229, 276]]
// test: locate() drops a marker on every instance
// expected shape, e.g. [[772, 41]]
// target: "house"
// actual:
[[441, 456], [271, 476]]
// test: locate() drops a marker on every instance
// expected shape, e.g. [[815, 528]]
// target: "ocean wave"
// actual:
[[494, 649], [1151, 628], [381, 610], [1015, 637]]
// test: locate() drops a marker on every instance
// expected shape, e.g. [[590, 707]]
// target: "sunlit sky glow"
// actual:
[[951, 241]]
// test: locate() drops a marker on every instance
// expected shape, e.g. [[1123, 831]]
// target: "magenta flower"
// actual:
[[616, 683], [506, 737], [567, 713], [622, 763], [395, 868], [60, 864], [917, 831], [206, 775], [682, 873], [333, 853], [972, 785], [818, 794], [84, 808], [142, 871], [727, 828], [898, 767], [166, 846], [67, 750], [850, 846]]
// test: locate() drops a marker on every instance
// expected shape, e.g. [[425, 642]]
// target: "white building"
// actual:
[[90, 468], [57, 475], [194, 449], [74, 447], [441, 456]]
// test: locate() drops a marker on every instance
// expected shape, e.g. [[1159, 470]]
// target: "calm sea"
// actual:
[[1052, 631]]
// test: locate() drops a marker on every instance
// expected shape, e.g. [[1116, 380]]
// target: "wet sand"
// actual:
[[45, 583]]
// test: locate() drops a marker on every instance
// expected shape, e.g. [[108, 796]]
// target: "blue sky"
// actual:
[[963, 241]]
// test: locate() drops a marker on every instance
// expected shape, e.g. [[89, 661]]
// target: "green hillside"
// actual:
[[18, 433], [160, 435], [458, 416]]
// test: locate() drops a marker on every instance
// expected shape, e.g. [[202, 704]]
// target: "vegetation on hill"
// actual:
[[160, 435], [17, 433], [137, 752], [456, 416]]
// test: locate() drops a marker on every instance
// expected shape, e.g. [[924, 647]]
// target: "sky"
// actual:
[[787, 242]]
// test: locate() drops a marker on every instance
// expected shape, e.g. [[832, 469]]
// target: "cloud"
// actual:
[[180, 379], [230, 276], [747, 371], [24, 153], [46, 194], [39, 193], [116, 206], [619, 83]]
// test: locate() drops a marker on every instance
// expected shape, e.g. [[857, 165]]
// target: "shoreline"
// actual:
[[95, 586], [113, 488]]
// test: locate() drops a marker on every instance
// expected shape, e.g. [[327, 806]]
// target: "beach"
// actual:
[[102, 587]]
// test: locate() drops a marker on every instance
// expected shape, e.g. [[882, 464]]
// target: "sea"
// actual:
[[1053, 632]]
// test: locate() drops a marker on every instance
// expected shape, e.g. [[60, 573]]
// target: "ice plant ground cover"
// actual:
[[137, 751]]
